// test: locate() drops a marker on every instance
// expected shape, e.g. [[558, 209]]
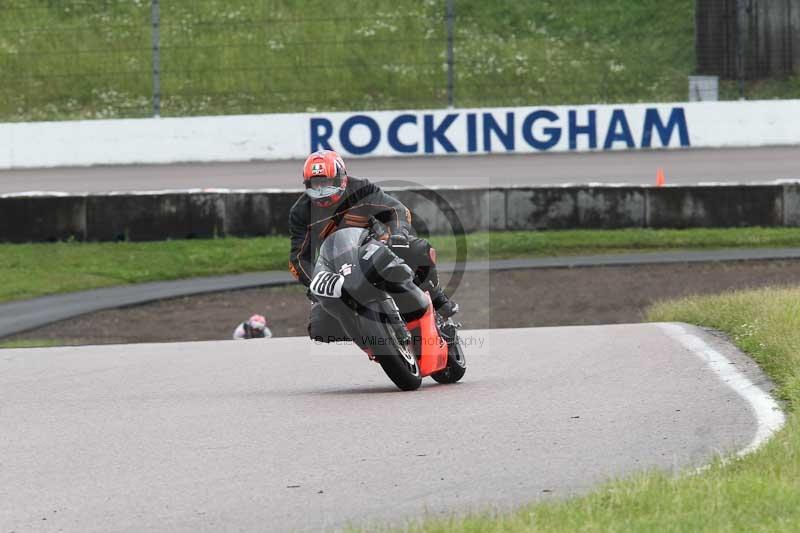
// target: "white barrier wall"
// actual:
[[393, 133]]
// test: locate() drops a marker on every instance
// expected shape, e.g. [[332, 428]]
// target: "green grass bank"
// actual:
[[759, 492], [33, 343], [73, 60], [30, 270]]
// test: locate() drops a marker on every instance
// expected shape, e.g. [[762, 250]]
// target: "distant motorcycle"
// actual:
[[360, 281]]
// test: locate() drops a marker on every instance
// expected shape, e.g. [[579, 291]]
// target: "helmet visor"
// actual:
[[322, 187]]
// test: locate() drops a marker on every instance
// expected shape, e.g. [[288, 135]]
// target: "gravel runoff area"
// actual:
[[508, 299]]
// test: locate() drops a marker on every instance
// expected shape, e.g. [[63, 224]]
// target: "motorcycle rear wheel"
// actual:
[[456, 364]]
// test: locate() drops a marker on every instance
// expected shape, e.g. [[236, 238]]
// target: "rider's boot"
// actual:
[[443, 305]]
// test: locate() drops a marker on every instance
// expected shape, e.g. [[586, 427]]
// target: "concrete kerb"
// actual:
[[575, 207], [791, 204], [148, 217], [155, 215], [715, 206], [42, 218]]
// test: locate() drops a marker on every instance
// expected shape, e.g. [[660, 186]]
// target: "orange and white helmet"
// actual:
[[325, 177]]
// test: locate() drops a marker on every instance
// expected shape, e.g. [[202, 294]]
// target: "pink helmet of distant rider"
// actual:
[[257, 322]]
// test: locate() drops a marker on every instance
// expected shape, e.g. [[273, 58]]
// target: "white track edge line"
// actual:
[[769, 415]]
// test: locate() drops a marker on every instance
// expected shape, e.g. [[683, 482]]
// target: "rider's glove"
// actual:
[[398, 240], [379, 230]]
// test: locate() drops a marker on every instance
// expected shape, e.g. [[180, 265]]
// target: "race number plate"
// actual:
[[327, 285]]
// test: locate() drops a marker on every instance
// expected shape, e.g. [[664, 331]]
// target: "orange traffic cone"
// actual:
[[660, 177]]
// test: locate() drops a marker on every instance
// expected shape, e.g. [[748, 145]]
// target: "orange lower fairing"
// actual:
[[433, 349]]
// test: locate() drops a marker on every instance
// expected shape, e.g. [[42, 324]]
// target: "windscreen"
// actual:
[[342, 241]]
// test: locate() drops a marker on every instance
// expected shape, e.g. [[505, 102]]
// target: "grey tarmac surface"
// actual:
[[284, 434], [638, 167], [28, 314]]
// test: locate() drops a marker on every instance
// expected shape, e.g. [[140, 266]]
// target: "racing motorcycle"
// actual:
[[362, 283]]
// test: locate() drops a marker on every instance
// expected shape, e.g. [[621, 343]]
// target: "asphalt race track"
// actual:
[[283, 434], [639, 167]]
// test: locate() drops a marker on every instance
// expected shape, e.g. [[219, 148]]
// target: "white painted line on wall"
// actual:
[[39, 193], [769, 416]]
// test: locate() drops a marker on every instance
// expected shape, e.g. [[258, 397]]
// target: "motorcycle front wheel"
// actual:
[[397, 359]]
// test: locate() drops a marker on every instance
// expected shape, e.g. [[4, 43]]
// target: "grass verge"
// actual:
[[35, 343], [64, 60], [760, 492], [93, 60], [30, 270]]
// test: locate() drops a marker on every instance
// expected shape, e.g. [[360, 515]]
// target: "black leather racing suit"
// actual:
[[310, 224]]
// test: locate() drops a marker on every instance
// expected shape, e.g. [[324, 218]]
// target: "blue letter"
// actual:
[[652, 120], [554, 134], [506, 137], [472, 133], [438, 133], [618, 119], [590, 129], [394, 139], [319, 141], [374, 134]]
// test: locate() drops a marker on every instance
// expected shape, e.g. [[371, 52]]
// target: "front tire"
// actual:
[[399, 362]]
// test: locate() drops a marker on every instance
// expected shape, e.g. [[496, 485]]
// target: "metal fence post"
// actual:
[[156, 20], [450, 17], [741, 24]]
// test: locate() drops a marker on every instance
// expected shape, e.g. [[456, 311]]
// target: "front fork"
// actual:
[[396, 320], [366, 325]]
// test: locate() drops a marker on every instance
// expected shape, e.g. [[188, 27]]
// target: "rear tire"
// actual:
[[456, 364]]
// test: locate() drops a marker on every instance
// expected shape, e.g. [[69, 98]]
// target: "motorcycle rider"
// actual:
[[254, 327], [335, 200]]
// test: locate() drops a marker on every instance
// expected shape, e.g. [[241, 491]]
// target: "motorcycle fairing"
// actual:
[[430, 346], [378, 280]]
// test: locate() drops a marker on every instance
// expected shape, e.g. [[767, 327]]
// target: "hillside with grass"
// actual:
[[65, 59]]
